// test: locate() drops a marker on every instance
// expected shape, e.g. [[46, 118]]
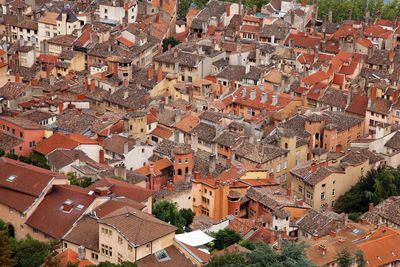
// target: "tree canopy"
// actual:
[[167, 211], [225, 237], [292, 254], [30, 252], [374, 187]]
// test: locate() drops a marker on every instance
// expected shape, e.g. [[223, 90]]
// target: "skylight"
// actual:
[[162, 255], [79, 207], [11, 178]]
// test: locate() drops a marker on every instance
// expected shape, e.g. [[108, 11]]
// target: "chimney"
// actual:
[[232, 85], [125, 82], [322, 248], [339, 149], [288, 191], [252, 94], [228, 10], [86, 83], [313, 167], [332, 233], [228, 162], [150, 73], [323, 164], [212, 162], [274, 100], [120, 171], [76, 157], [17, 77], [178, 115], [126, 148], [374, 93], [159, 74], [194, 142], [101, 156], [370, 206], [263, 97], [126, 94], [196, 175], [67, 205], [299, 202], [92, 86], [151, 169]]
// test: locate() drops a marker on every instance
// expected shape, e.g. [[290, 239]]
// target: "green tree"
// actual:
[[170, 41], [188, 215], [2, 153], [225, 237], [234, 259], [39, 160], [359, 259], [247, 244], [109, 264], [375, 186], [167, 211], [344, 259], [292, 255], [25, 159], [5, 250], [30, 252], [12, 156], [82, 182]]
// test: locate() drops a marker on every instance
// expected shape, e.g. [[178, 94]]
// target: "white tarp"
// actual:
[[195, 238]]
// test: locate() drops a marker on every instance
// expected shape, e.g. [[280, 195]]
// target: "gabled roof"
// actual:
[[62, 141], [147, 228], [50, 210], [122, 188], [21, 184]]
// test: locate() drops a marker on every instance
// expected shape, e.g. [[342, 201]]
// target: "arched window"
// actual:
[[179, 172], [187, 170]]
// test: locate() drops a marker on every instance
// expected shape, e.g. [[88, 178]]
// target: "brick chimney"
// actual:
[[17, 77], [339, 149], [150, 73], [228, 9], [196, 175], [159, 74], [92, 86], [313, 167], [332, 233], [101, 156], [374, 93], [67, 205], [322, 249], [370, 206]]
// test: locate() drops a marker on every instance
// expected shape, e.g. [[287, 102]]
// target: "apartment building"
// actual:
[[320, 184]]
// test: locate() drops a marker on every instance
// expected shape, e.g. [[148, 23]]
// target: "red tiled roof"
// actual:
[[377, 31], [65, 141], [316, 77], [125, 41], [303, 40], [382, 247], [163, 132], [159, 165], [47, 58], [50, 210], [122, 188], [250, 28]]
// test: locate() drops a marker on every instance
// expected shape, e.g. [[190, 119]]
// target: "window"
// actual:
[[190, 79], [130, 248], [322, 195], [13, 131], [105, 11], [95, 256], [300, 189], [179, 161], [333, 192], [65, 245], [205, 190], [21, 135], [308, 195], [32, 144], [285, 165], [323, 185], [210, 193], [105, 231], [106, 250], [120, 240], [205, 211], [278, 167]]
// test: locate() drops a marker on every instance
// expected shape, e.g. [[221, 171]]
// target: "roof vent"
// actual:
[[11, 178], [162, 255]]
